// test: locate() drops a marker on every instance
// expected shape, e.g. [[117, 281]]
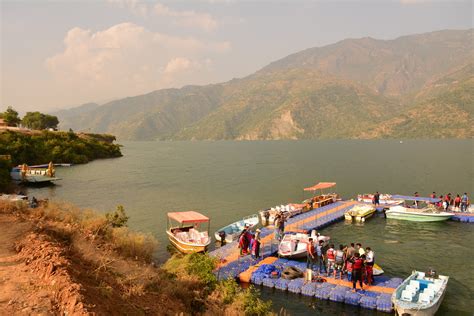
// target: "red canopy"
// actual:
[[188, 217], [320, 186]]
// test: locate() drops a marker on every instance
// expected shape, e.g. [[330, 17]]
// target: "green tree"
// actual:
[[10, 116], [40, 121]]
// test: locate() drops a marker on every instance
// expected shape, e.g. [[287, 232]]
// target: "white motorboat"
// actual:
[[267, 216], [420, 294], [294, 245], [427, 214], [231, 232], [384, 199]]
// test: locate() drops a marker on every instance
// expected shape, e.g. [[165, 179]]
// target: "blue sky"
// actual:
[[57, 54]]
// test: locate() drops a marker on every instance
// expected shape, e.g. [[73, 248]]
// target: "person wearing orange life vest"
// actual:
[[331, 255]]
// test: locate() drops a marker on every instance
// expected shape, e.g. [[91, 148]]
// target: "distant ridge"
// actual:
[[355, 88]]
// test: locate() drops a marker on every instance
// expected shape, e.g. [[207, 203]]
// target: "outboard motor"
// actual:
[[222, 236]]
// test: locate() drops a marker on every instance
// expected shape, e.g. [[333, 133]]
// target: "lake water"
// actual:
[[228, 180]]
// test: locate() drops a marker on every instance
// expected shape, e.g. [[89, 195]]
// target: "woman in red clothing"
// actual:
[[357, 266], [457, 202]]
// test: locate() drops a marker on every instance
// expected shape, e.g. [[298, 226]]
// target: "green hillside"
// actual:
[[356, 88]]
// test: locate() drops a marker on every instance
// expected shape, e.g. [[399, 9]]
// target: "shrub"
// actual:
[[133, 244], [117, 218], [253, 305], [202, 266]]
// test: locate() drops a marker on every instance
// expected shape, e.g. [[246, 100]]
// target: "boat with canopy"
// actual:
[[188, 231], [322, 199], [41, 174], [423, 210]]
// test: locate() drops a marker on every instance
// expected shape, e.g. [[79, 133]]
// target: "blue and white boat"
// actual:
[[230, 232], [420, 294]]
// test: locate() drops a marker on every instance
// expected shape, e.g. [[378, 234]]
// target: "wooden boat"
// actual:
[[231, 232], [322, 199], [419, 294], [384, 199], [267, 217], [294, 245], [184, 233], [359, 213], [33, 174]]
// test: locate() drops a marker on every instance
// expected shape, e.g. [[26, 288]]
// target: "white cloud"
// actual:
[[189, 18], [186, 18], [127, 59]]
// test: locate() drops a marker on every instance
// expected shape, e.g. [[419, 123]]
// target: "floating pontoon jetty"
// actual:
[[232, 265]]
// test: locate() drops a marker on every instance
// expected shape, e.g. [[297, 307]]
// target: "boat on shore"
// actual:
[[184, 231], [359, 213], [420, 294], [231, 232], [384, 199], [13, 197], [417, 212], [294, 245]]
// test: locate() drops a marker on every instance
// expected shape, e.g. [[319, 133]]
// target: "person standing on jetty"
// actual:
[[377, 198], [369, 265], [310, 258], [320, 256], [357, 265], [256, 244], [464, 202], [359, 249]]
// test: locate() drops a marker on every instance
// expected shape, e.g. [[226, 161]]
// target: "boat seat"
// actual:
[[406, 296], [430, 293], [411, 288], [415, 284], [421, 275], [435, 287], [424, 298]]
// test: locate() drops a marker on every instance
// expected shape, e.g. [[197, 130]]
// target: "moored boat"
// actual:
[[384, 199], [231, 232], [359, 213], [420, 294], [267, 216], [184, 231], [294, 245], [34, 174]]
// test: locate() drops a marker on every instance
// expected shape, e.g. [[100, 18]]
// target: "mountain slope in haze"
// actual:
[[392, 67], [444, 109], [357, 88]]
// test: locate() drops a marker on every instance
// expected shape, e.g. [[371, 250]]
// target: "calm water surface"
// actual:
[[228, 180]]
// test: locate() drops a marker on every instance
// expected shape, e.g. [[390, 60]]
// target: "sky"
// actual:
[[60, 54]]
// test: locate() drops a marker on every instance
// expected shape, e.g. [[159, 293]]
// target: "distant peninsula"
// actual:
[[416, 86]]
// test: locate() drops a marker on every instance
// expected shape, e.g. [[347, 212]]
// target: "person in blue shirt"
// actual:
[[320, 257], [464, 202]]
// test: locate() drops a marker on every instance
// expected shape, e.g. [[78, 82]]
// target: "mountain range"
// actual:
[[416, 86]]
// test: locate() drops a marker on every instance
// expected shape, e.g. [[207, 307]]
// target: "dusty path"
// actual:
[[21, 292]]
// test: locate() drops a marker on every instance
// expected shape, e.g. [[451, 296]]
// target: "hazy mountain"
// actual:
[[356, 88]]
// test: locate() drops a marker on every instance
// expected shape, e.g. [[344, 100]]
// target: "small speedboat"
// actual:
[[384, 199], [377, 270], [185, 232], [267, 216], [359, 213], [420, 294], [294, 245], [427, 214], [230, 232]]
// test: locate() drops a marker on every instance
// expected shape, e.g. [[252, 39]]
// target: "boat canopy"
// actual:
[[188, 217], [415, 198], [320, 186]]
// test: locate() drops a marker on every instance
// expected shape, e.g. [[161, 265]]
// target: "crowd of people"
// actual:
[[351, 260], [457, 204], [249, 243]]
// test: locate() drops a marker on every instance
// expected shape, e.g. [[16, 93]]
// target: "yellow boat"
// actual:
[[359, 213], [184, 232]]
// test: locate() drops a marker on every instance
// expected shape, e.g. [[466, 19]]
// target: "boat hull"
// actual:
[[416, 217], [359, 215], [186, 247]]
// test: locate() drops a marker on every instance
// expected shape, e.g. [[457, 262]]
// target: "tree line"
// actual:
[[32, 120]]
